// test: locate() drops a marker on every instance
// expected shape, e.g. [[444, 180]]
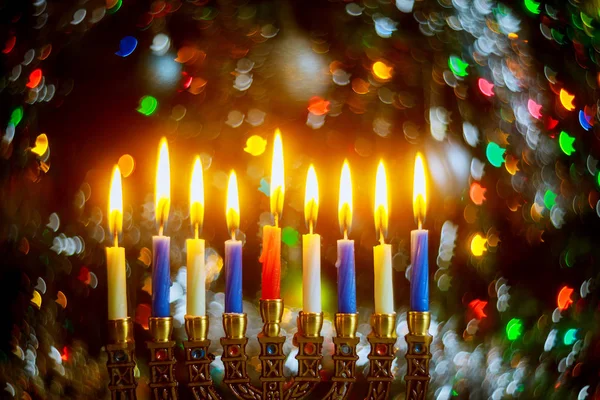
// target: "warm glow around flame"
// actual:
[[115, 203], [197, 195], [311, 198], [345, 203], [232, 210], [419, 191], [381, 202], [163, 185], [277, 182]]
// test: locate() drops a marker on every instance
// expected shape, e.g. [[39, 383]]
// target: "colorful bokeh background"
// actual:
[[501, 98]]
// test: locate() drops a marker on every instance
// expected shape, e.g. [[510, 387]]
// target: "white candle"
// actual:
[[196, 268], [115, 256], [382, 253], [311, 248]]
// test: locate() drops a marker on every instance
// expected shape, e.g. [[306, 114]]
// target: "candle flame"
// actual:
[[115, 203], [277, 181], [311, 198], [163, 185], [345, 203], [419, 191], [197, 196], [381, 202], [232, 211]]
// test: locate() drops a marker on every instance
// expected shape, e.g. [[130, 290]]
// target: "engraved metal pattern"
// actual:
[[344, 359], [271, 359], [197, 361], [380, 367], [236, 378], [417, 358], [162, 379], [121, 365], [309, 364]]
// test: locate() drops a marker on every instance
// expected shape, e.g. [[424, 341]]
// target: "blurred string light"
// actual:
[[458, 66], [564, 299], [566, 99], [495, 154], [549, 199], [514, 329], [127, 46], [570, 337], [532, 6], [148, 105], [478, 245], [565, 142]]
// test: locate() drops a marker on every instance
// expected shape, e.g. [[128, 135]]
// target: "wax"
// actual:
[[384, 291], [311, 273], [233, 276], [196, 278], [271, 262], [117, 292], [161, 276], [419, 277], [346, 276]]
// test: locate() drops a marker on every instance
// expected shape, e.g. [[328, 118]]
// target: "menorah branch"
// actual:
[[121, 359], [271, 349], [162, 359], [418, 355], [382, 339], [198, 359], [344, 357]]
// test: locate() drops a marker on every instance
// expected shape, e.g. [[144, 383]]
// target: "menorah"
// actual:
[[273, 383]]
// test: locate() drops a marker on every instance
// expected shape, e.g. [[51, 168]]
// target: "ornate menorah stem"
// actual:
[[418, 355], [271, 349], [344, 356], [121, 359], [382, 339], [162, 359], [198, 359]]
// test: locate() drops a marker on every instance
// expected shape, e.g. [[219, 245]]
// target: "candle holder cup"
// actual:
[[198, 359], [344, 356], [382, 339], [121, 359], [418, 355], [162, 359]]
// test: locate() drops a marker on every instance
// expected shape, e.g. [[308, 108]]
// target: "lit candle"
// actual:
[[271, 245], [345, 247], [161, 270], [311, 248], [196, 270], [419, 278], [382, 253], [115, 256], [233, 251]]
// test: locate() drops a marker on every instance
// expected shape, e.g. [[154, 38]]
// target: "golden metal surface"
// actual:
[[161, 328], [418, 322], [196, 328], [310, 324], [235, 325], [346, 324], [384, 325], [418, 355], [120, 330], [271, 311]]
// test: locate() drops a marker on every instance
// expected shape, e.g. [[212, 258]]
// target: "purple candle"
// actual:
[[233, 251], [345, 248]]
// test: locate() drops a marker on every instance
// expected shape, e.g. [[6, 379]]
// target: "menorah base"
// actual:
[[162, 359], [418, 355], [121, 359], [197, 362]]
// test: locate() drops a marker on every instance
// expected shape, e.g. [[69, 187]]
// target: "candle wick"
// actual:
[[276, 217], [233, 234], [381, 237], [116, 238], [420, 224], [160, 230], [345, 234], [310, 226], [196, 230]]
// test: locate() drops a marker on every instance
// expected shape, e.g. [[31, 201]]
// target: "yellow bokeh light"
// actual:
[[382, 71], [115, 203], [311, 198], [197, 195], [381, 201], [232, 210], [255, 145], [277, 181], [163, 185], [478, 245], [566, 99], [41, 145], [345, 203]]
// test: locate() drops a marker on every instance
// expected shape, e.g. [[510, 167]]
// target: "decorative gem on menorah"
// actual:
[[382, 339], [121, 359], [198, 359], [418, 355], [162, 359], [344, 356]]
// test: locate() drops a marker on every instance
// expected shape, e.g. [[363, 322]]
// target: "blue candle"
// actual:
[[419, 274], [346, 277], [233, 276], [161, 276]]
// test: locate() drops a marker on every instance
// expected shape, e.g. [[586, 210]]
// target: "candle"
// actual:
[[311, 248], [115, 256], [161, 271], [196, 269], [271, 245], [233, 251], [345, 248], [382, 253], [419, 279]]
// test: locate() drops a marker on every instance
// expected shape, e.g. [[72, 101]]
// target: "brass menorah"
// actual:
[[273, 384]]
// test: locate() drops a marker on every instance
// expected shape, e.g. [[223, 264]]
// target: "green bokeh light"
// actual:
[[116, 7], [458, 66], [514, 329], [566, 143], [495, 154], [148, 105], [290, 236], [549, 199], [532, 6], [570, 337], [16, 116]]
